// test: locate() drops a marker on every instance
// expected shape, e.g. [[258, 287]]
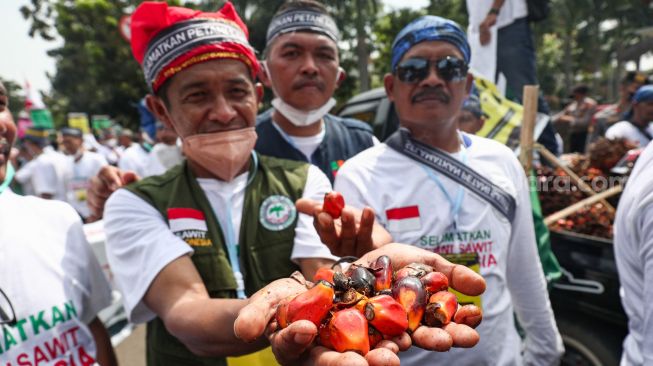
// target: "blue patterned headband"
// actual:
[[429, 28]]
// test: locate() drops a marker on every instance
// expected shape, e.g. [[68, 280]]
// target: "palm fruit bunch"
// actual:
[[356, 309], [595, 168]]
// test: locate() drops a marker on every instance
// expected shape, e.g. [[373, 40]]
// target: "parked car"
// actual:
[[585, 301]]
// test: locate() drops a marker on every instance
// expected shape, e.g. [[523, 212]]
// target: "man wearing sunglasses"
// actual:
[[417, 183]]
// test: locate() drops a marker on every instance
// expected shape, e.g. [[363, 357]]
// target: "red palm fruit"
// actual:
[[382, 270], [282, 311], [362, 281], [325, 274], [414, 270], [386, 315], [409, 292], [348, 299], [441, 309], [469, 314], [348, 331], [333, 204], [434, 282], [312, 305], [324, 336], [375, 336]]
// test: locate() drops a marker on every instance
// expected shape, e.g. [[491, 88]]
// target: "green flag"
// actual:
[[42, 118]]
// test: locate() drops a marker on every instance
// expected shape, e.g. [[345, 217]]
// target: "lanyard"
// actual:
[[9, 176], [457, 203], [233, 248]]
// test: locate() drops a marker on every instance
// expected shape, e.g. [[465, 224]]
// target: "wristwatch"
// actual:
[[494, 11]]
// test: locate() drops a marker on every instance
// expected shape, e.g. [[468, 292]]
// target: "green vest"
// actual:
[[267, 233]]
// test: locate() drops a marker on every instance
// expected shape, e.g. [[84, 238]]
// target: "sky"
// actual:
[[24, 59]]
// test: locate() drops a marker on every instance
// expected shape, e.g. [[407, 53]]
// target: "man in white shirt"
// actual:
[[135, 158], [633, 249], [51, 284], [50, 169], [84, 165], [166, 153], [420, 205], [638, 125]]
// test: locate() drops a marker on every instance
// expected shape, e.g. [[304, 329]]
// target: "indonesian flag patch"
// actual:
[[182, 219], [403, 219]]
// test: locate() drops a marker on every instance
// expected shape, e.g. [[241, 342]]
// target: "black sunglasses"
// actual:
[[7, 313], [417, 69]]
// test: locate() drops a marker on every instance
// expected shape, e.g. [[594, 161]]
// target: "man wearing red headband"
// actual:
[[221, 225], [187, 247]]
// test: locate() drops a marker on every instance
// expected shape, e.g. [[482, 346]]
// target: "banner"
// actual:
[[79, 120], [100, 122], [41, 118], [503, 123]]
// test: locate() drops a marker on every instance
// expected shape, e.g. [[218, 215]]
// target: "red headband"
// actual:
[[167, 39]]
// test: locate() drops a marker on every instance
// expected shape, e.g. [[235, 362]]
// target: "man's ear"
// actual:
[[342, 75], [468, 83], [263, 75], [159, 110], [389, 84], [259, 92]]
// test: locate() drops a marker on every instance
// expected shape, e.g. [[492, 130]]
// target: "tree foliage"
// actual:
[[95, 70], [16, 98], [97, 74]]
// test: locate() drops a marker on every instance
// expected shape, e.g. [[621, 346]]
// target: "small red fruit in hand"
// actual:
[[441, 309], [333, 204], [312, 305], [348, 331]]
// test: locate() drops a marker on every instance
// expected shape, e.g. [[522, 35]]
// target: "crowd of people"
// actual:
[[213, 224]]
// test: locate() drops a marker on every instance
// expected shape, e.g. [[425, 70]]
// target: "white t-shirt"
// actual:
[[308, 144], [134, 158], [140, 242], [510, 10], [415, 211], [633, 247], [161, 158], [79, 181], [50, 174], [625, 129], [24, 177], [53, 281]]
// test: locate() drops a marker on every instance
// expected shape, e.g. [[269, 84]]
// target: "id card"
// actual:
[[469, 260]]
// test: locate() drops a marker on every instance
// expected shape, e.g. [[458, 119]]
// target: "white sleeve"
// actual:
[[352, 188], [526, 283], [612, 132], [645, 224], [139, 245], [126, 162], [307, 241], [24, 174], [86, 269], [44, 178]]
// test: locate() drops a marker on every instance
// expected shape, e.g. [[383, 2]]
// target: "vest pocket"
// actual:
[[215, 270], [271, 261]]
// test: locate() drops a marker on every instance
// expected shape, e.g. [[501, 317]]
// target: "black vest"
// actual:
[[343, 138]]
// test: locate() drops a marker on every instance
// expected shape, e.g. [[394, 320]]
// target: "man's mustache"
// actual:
[[436, 93], [309, 82]]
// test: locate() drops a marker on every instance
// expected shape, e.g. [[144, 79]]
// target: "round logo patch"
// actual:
[[277, 213]]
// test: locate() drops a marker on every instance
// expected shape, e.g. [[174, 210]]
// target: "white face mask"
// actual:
[[297, 117], [301, 118]]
